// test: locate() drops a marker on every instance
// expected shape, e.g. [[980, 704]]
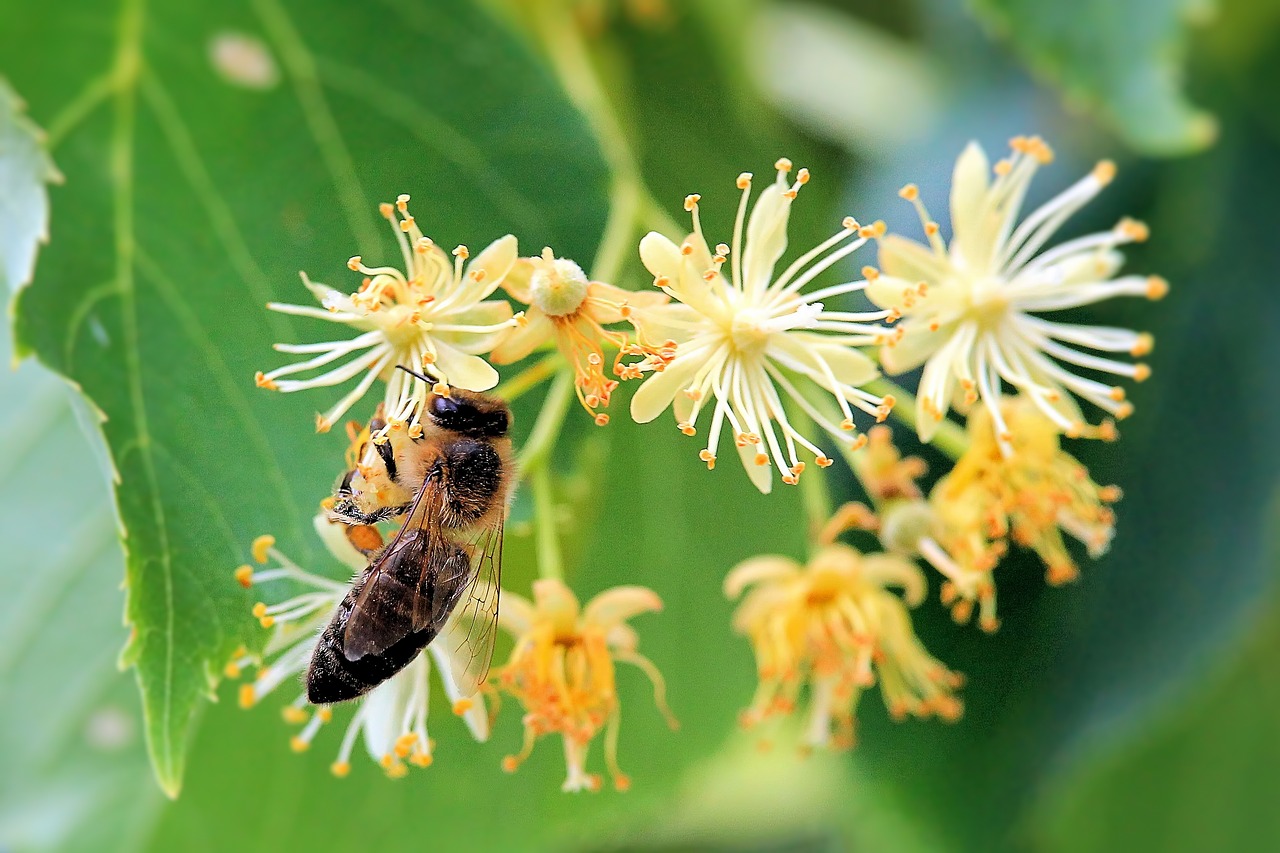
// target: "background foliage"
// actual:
[[1134, 709]]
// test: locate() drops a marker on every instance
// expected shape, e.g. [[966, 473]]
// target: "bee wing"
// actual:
[[474, 626], [385, 610]]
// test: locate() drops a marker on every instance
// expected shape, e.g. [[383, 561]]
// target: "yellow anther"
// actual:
[[387, 210], [602, 420], [248, 696], [406, 223], [687, 429], [260, 379], [1105, 172], [762, 459], [461, 252], [802, 176], [782, 165], [910, 192], [231, 670], [691, 201], [1141, 372], [340, 769], [1002, 167], [353, 263], [293, 715], [708, 457], [244, 576], [261, 546], [850, 224], [1157, 288], [744, 181], [259, 610], [823, 462], [1133, 229], [870, 273], [1143, 345], [462, 706]]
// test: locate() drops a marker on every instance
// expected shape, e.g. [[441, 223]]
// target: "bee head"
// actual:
[[470, 414]]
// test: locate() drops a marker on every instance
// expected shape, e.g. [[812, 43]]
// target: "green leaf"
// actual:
[[70, 722], [1199, 776], [212, 152], [25, 169], [1122, 60]]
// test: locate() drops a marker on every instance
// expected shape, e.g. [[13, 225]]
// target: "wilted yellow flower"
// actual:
[[744, 339], [431, 318], [970, 308], [392, 718], [1030, 497], [835, 626], [562, 670], [566, 307]]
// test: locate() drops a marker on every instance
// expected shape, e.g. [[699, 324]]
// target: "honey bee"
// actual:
[[451, 484]]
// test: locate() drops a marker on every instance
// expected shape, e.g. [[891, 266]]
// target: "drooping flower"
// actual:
[[835, 627], [566, 307], [971, 308], [1031, 496], [743, 340], [391, 718], [435, 317], [562, 671]]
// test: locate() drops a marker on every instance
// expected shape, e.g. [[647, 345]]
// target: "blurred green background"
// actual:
[[1138, 709]]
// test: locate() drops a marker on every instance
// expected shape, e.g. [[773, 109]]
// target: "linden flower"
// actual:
[[741, 338], [393, 716], [434, 317], [835, 626], [970, 308], [562, 671], [1031, 497], [565, 306]]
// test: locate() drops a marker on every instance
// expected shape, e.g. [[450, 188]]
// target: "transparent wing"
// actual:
[[474, 626], [385, 609]]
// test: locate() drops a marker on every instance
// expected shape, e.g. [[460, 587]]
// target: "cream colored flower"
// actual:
[[971, 308], [835, 627], [562, 670], [392, 718], [433, 318], [746, 340], [566, 307]]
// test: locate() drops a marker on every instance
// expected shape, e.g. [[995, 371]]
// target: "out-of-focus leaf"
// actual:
[[1200, 776], [211, 152], [1120, 59], [74, 774], [877, 91], [25, 169]]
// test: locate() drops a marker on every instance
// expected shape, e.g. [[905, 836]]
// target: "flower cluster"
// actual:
[[732, 341]]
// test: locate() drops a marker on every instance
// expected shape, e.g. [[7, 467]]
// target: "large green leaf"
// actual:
[[25, 169], [1122, 59], [211, 152]]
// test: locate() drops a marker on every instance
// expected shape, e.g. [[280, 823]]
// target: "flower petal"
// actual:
[[517, 282], [763, 569], [657, 392], [556, 602], [496, 260], [660, 256], [383, 711], [969, 184], [605, 301], [906, 259], [917, 343], [470, 372], [475, 716], [761, 476], [891, 570], [848, 365], [519, 341], [766, 239], [334, 537], [516, 615], [620, 604]]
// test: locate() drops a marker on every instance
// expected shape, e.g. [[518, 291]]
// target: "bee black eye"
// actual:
[[443, 407]]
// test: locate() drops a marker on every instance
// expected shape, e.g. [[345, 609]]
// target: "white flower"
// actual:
[[435, 318], [741, 339], [393, 716], [970, 308]]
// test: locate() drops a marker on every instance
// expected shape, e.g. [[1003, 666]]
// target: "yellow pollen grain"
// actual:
[[244, 576], [910, 192]]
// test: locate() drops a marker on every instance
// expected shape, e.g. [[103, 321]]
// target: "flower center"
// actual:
[[986, 301], [747, 330], [558, 288]]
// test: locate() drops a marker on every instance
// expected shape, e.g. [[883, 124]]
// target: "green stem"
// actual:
[[550, 560], [546, 429], [529, 378], [950, 437]]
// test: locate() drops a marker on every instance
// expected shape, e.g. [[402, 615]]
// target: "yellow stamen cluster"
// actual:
[[835, 627], [1029, 497]]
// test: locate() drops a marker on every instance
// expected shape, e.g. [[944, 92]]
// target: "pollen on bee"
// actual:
[[244, 576]]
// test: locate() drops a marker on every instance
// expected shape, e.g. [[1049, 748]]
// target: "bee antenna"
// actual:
[[415, 373]]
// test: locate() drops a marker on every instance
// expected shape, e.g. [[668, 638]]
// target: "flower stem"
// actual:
[[949, 438], [550, 560], [546, 429], [529, 378]]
